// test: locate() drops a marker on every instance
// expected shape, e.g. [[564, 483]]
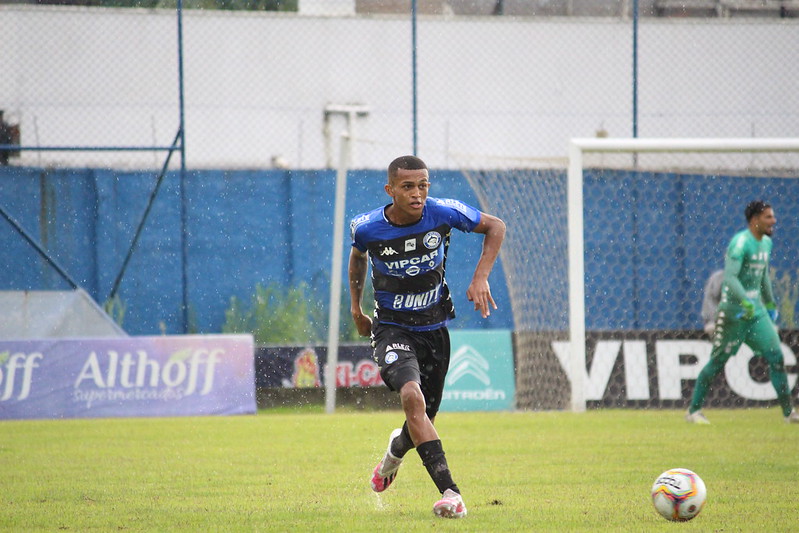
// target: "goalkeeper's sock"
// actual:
[[402, 444], [433, 459], [714, 366], [779, 379]]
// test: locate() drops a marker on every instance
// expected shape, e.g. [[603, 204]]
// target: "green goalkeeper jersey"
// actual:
[[746, 274]]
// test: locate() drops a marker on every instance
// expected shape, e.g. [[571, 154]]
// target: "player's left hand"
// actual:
[[771, 309], [480, 294]]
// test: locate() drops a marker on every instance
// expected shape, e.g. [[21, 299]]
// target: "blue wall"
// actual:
[[243, 228], [661, 235]]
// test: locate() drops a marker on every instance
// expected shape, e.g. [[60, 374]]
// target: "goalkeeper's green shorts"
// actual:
[[759, 334]]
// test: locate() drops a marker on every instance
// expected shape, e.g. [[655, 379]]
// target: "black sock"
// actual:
[[402, 444], [433, 459]]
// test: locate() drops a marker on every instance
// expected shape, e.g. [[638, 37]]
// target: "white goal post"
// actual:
[[632, 148]]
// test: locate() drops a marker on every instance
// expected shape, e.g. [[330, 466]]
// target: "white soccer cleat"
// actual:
[[792, 418], [696, 418], [450, 505], [386, 470]]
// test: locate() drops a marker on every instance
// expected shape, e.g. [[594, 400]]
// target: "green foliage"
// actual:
[[786, 292], [276, 315], [531, 471], [192, 326], [230, 5], [115, 308], [349, 333]]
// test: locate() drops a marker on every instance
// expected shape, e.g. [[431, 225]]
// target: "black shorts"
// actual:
[[420, 356]]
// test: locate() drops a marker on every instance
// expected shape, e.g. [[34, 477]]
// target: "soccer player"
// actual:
[[710, 301], [747, 312], [406, 242]]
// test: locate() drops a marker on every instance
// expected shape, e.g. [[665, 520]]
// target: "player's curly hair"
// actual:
[[755, 207]]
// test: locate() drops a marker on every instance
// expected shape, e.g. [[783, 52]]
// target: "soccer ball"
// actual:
[[678, 494]]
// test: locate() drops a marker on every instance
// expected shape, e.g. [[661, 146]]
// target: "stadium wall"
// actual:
[[257, 84], [660, 239], [244, 228]]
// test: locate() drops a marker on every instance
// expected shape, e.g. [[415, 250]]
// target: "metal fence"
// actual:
[[460, 83]]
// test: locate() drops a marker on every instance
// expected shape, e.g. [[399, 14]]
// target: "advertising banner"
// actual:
[[132, 376], [659, 369], [303, 366], [481, 376]]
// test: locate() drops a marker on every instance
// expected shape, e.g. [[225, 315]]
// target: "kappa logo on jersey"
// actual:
[[410, 245], [432, 239], [391, 357], [388, 250]]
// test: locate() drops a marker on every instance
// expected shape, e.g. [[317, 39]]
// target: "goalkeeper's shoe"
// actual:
[[450, 505], [696, 418], [792, 418], [386, 470]]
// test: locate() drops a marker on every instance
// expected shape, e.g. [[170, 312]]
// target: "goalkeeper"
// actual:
[[747, 311]]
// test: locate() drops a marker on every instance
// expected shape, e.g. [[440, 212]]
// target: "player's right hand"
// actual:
[[748, 310], [363, 324]]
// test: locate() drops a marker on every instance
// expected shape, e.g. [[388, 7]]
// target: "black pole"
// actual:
[[139, 229], [183, 209], [414, 81], [38, 248], [635, 68]]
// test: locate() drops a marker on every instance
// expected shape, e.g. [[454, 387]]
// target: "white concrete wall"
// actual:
[[256, 85]]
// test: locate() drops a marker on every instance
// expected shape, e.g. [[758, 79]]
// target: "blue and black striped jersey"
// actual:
[[408, 262]]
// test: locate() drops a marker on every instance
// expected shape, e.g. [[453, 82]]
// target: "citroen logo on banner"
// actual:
[[467, 361]]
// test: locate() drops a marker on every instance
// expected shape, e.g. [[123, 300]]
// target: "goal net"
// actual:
[[606, 257]]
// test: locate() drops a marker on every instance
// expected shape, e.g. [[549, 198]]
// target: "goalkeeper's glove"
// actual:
[[748, 310], [771, 309]]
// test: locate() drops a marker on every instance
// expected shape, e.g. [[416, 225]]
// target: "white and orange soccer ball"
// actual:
[[679, 494]]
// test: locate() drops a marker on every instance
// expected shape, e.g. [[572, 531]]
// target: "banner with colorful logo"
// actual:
[[303, 366], [131, 376], [481, 376]]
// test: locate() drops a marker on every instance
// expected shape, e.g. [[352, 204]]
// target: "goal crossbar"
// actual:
[[777, 144]]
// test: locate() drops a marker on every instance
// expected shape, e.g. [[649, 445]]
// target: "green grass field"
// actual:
[[308, 471]]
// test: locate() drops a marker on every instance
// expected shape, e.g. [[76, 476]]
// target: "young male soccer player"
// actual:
[[747, 311], [407, 243]]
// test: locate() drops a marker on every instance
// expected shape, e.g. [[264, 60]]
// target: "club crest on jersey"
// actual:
[[410, 245], [391, 357], [432, 239]]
